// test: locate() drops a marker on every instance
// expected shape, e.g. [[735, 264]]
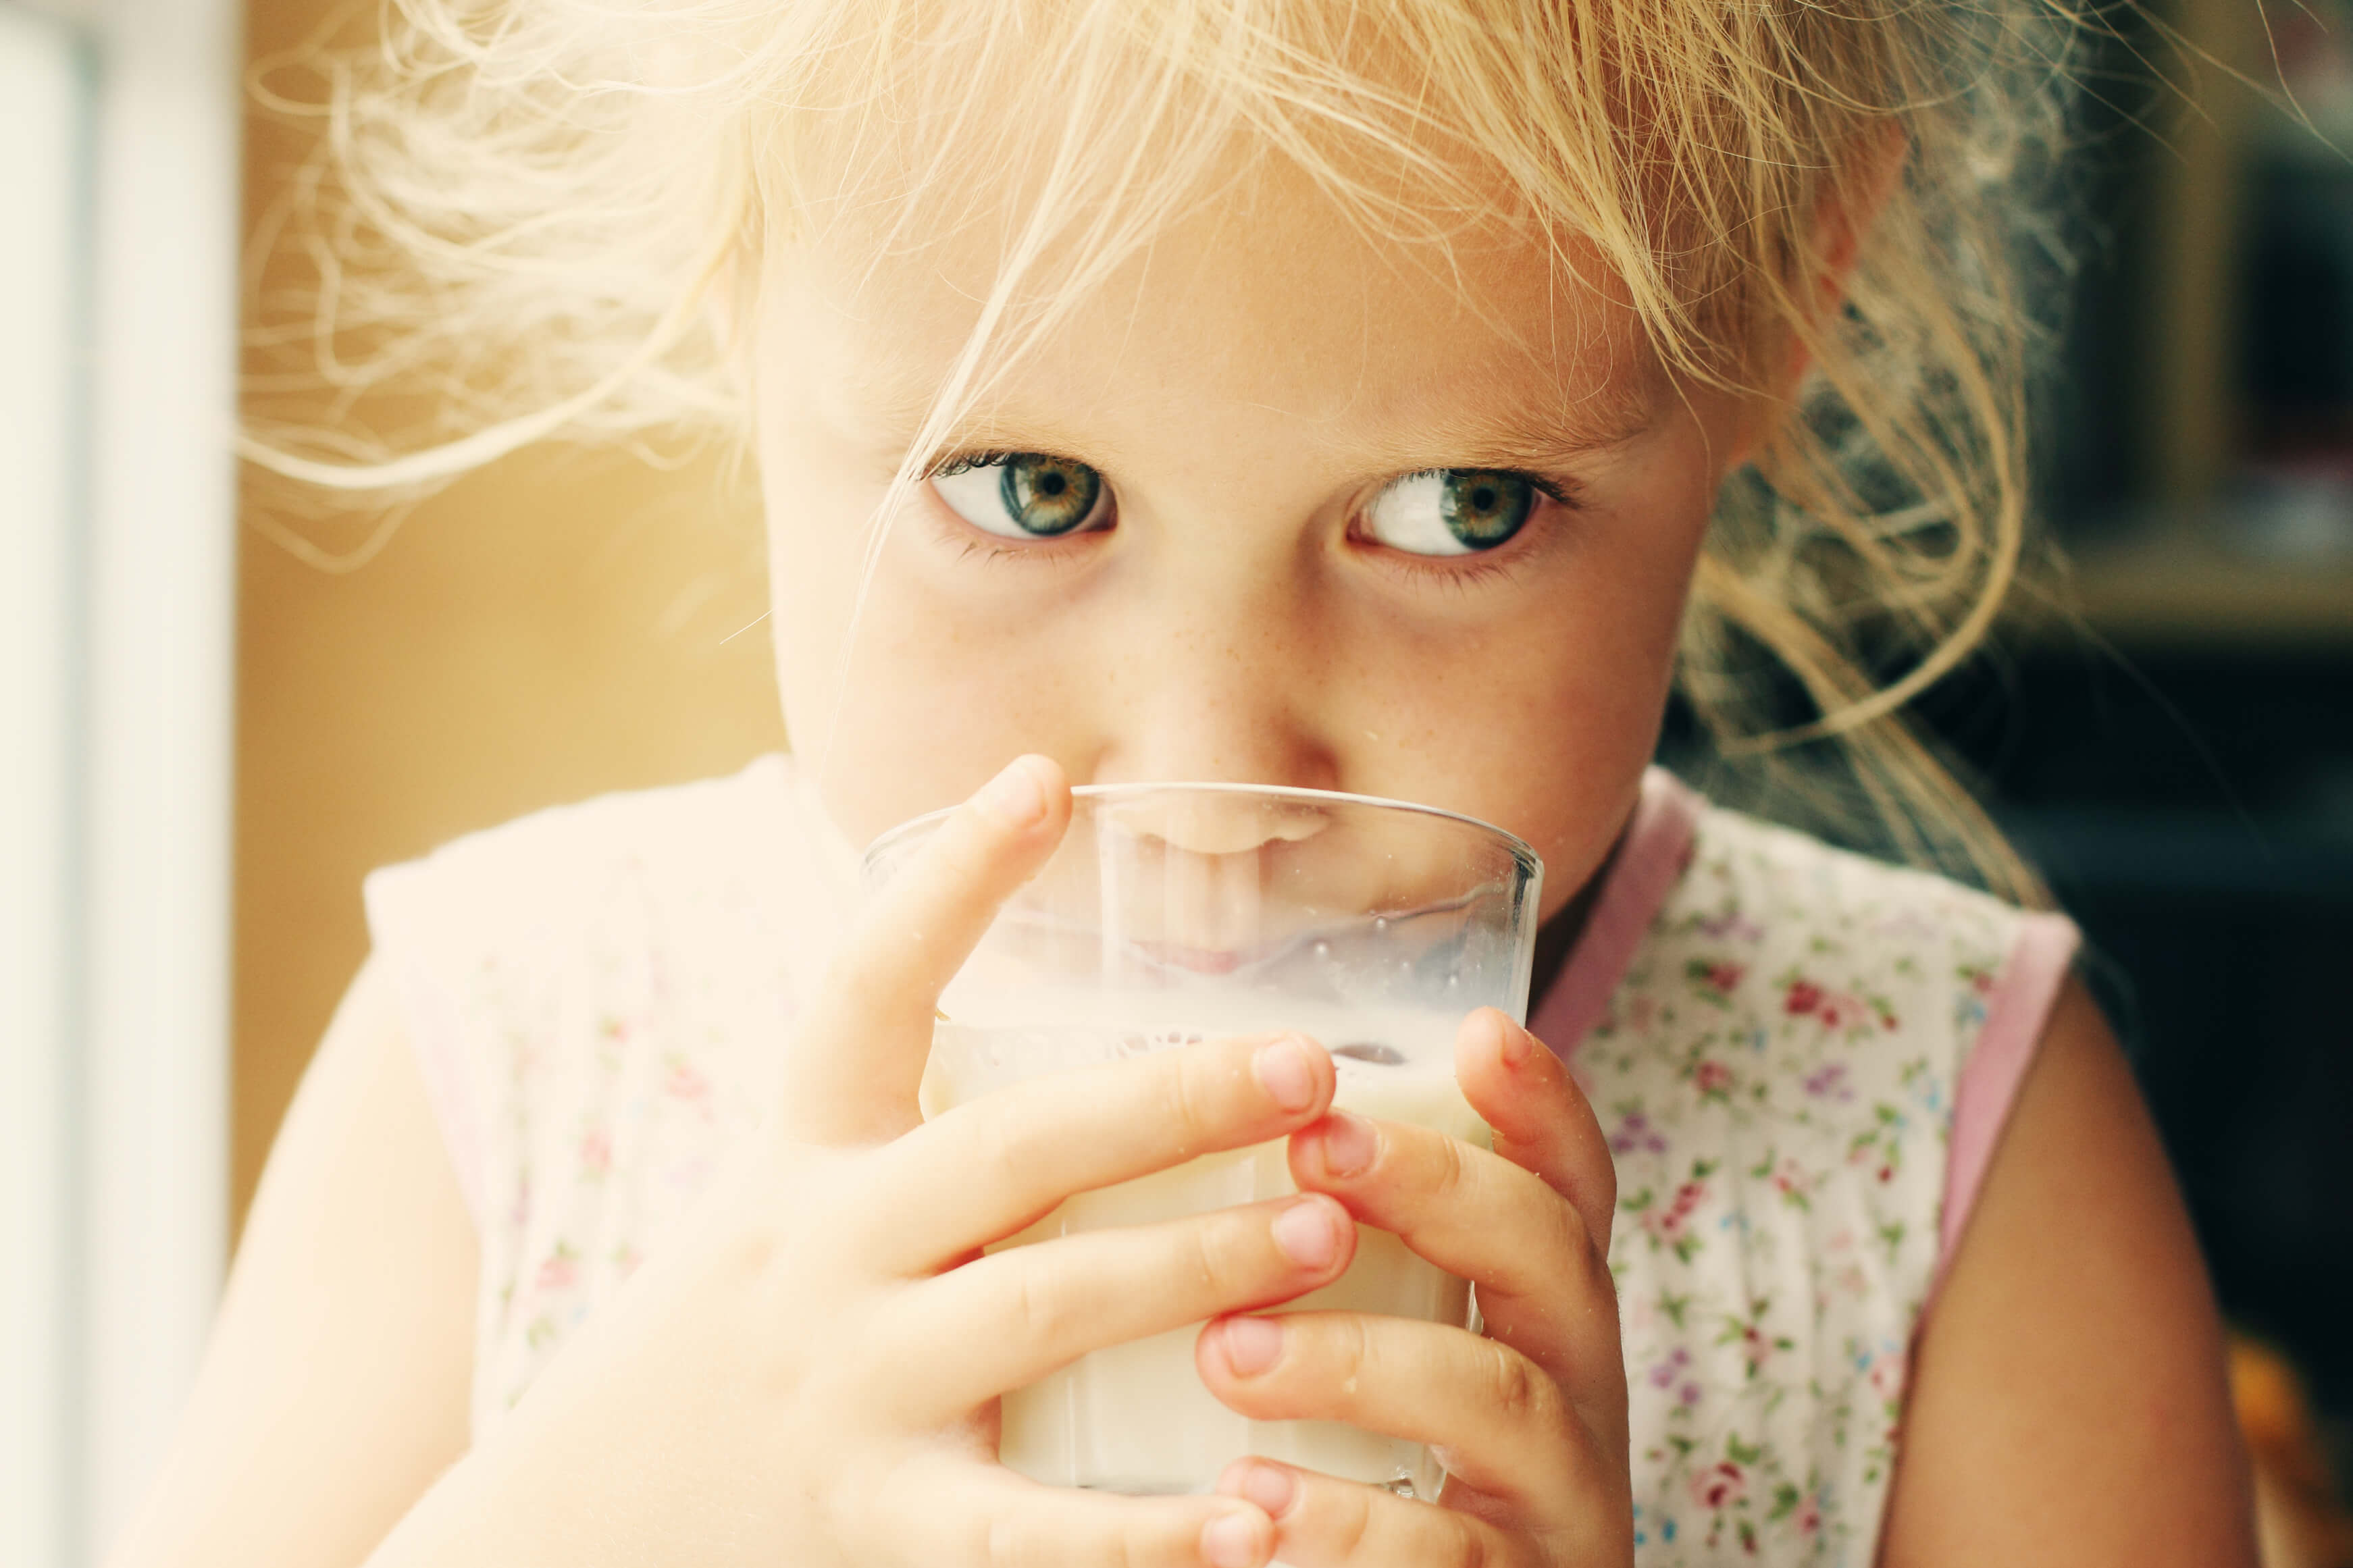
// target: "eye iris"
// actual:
[[1482, 508], [1048, 496]]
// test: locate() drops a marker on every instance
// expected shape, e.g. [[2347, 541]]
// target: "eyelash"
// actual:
[[959, 462], [972, 544], [1462, 572]]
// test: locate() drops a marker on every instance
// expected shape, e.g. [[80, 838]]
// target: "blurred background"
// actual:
[[2175, 748]]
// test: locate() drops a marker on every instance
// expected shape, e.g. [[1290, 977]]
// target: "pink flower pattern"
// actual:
[[1781, 1115]]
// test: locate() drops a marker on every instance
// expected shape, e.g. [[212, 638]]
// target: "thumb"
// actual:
[[1542, 1121], [857, 1055]]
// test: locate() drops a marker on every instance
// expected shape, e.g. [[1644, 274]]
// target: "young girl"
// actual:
[[1398, 398]]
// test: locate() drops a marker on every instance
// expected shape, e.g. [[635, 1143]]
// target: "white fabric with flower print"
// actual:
[[1802, 1059]]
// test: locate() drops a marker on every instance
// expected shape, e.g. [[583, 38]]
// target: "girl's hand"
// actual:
[[805, 1375], [1530, 1420]]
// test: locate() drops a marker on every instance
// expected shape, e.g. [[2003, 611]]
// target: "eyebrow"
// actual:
[[1464, 440], [1425, 431], [1452, 439]]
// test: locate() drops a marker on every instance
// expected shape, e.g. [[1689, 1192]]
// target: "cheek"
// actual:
[[1543, 721], [813, 565], [1547, 735], [901, 703]]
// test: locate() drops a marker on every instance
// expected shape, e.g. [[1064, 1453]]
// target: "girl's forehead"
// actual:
[[1271, 300]]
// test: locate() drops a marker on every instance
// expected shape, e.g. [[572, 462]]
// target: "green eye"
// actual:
[[1022, 495], [1450, 512]]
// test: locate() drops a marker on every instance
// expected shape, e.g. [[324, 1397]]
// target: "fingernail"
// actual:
[[1231, 1540], [1253, 1344], [1270, 1489], [1518, 1045], [1347, 1146], [1287, 1072], [1016, 797], [1308, 1232]]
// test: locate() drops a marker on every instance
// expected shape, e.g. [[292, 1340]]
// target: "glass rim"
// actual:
[[1519, 849]]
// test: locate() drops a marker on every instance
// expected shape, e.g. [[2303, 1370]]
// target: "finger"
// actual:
[[958, 1511], [858, 1054], [989, 1168], [1498, 1419], [1544, 1288], [1324, 1522], [1019, 1314], [1542, 1122]]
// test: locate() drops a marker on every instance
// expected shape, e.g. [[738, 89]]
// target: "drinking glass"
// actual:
[[1176, 912]]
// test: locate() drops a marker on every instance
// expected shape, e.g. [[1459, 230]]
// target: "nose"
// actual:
[[1217, 826], [1216, 673]]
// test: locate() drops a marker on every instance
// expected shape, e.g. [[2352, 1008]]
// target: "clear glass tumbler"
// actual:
[[1178, 912]]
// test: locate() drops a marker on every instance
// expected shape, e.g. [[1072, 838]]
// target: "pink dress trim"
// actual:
[[1664, 819], [1989, 1079]]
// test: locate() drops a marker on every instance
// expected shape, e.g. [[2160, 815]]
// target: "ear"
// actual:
[[730, 306], [1842, 217]]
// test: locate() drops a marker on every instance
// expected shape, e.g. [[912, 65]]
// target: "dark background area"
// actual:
[[2177, 759]]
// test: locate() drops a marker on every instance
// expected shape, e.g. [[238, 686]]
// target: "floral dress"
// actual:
[[1802, 1059]]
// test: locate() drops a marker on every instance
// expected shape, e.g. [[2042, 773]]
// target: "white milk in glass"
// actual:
[[1136, 1418]]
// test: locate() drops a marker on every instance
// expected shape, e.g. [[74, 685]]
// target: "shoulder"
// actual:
[[689, 877], [2036, 1446], [549, 865], [1805, 1072], [651, 932], [1799, 943], [1776, 885], [1805, 1032]]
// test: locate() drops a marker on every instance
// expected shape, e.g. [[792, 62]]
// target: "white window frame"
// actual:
[[115, 808]]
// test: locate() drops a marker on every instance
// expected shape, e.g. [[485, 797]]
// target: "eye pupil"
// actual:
[[1048, 496], [1481, 509]]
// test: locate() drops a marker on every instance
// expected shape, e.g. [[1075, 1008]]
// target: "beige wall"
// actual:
[[547, 630]]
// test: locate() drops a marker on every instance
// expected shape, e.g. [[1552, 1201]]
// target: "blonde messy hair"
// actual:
[[537, 203]]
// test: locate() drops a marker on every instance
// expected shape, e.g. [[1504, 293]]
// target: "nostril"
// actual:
[[1212, 827]]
